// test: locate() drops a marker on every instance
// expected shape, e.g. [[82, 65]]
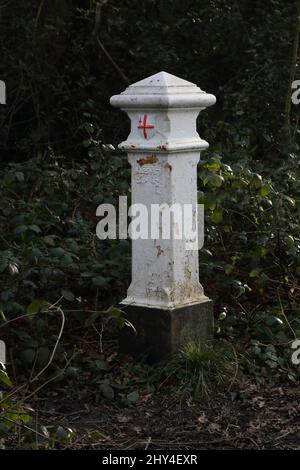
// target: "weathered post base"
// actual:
[[160, 332]]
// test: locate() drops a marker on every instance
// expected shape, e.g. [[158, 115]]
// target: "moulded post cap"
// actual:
[[163, 90]]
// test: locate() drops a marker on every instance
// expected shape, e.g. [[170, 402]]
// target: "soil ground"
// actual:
[[250, 417]]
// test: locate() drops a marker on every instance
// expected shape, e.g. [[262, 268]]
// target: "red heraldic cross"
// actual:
[[143, 125]]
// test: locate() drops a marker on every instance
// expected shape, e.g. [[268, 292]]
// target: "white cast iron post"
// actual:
[[163, 149]]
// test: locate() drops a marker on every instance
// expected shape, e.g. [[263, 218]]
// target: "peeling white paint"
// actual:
[[164, 149]]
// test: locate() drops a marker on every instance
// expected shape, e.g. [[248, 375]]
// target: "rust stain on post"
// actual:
[[162, 147], [148, 160], [159, 251]]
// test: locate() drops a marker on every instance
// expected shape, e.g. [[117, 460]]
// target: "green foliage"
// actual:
[[48, 224], [252, 249], [50, 251], [58, 162], [60, 81], [196, 370], [207, 367]]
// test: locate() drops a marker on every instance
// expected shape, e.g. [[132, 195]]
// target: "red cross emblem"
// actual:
[[143, 125]]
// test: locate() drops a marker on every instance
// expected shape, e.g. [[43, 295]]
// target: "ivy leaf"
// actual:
[[255, 272], [63, 434], [49, 240], [217, 216], [20, 229], [107, 391], [214, 166], [13, 269], [35, 228], [5, 379], [58, 252], [264, 191], [28, 356], [92, 319], [133, 397], [214, 180], [19, 176], [228, 269], [36, 306], [256, 181], [99, 281], [68, 295], [18, 416]]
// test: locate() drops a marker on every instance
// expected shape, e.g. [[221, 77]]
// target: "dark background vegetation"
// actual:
[[62, 60]]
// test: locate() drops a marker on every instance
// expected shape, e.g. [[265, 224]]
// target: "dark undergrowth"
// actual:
[[60, 283]]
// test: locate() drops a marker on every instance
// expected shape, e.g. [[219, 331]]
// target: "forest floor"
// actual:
[[248, 417], [165, 411]]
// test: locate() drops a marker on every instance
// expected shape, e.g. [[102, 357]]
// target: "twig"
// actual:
[[27, 427], [99, 5], [55, 346], [49, 380], [284, 315], [236, 369], [113, 63], [39, 13], [31, 380]]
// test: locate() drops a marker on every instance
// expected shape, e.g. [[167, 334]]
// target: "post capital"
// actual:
[[163, 110]]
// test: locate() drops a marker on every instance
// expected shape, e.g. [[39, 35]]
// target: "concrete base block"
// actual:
[[160, 332]]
